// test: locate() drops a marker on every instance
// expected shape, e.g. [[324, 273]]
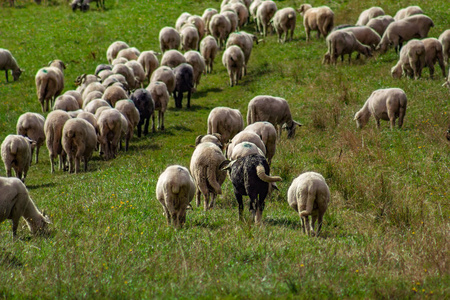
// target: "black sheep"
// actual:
[[146, 106], [184, 75], [250, 177]]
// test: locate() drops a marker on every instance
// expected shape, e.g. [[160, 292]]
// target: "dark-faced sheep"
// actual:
[[144, 103], [184, 82]]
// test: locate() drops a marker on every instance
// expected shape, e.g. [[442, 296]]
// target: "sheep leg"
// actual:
[[147, 124], [319, 224], [306, 225], [15, 224], [161, 120], [303, 224], [85, 160], [198, 195], [8, 172], [206, 201], [37, 154], [240, 204], [378, 122], [307, 30], [213, 201], [431, 68], [401, 115], [313, 223]]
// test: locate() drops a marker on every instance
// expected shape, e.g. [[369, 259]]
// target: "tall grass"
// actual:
[[386, 232]]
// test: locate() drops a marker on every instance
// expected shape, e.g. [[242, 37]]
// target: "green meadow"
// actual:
[[386, 233]]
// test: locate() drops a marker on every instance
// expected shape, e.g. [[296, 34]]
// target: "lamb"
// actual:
[[369, 14], [15, 202], [17, 155], [250, 177], [220, 28], [8, 62], [198, 22], [205, 170], [385, 104], [309, 195], [149, 62], [160, 96], [265, 12], [380, 23], [53, 128], [184, 82], [189, 37], [66, 103], [340, 42], [182, 19], [129, 110], [416, 26], [268, 134], [317, 18], [244, 136], [365, 35], [234, 60], [113, 94], [175, 190], [225, 121], [207, 15], [196, 60], [114, 49], [50, 83], [79, 141], [131, 53], [408, 11], [165, 75], [169, 38], [411, 61], [110, 131], [283, 22], [31, 125], [433, 53], [274, 110], [143, 101], [245, 41], [444, 38], [172, 58], [209, 49], [95, 104]]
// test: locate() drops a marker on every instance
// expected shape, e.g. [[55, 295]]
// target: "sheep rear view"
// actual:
[[16, 154]]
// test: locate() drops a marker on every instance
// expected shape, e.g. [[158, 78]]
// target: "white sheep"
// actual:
[[198, 22], [444, 38], [365, 35], [220, 28], [31, 125], [77, 95], [138, 71], [369, 14], [160, 95], [234, 60], [91, 96], [149, 62], [243, 149], [384, 104], [196, 60], [232, 16], [15, 202], [265, 12], [225, 121], [16, 154], [214, 138], [408, 11], [90, 117], [254, 8], [342, 42], [128, 73], [175, 189], [172, 58], [242, 13], [309, 195], [93, 86], [207, 15], [411, 61], [317, 18], [119, 60], [110, 125], [113, 94], [268, 134], [182, 19], [169, 38], [274, 110], [433, 54], [53, 127], [380, 23], [209, 49], [50, 83], [8, 62], [114, 49], [131, 53], [283, 22], [244, 136], [95, 104], [245, 41], [79, 140], [166, 75], [66, 103], [189, 37], [129, 110]]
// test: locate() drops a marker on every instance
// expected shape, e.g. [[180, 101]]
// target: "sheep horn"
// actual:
[[261, 172]]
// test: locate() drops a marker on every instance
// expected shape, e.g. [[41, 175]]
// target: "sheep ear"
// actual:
[[226, 164], [198, 139], [49, 63]]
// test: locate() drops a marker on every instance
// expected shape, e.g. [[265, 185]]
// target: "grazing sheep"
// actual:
[[369, 14], [66, 103], [76, 95], [182, 19], [15, 202], [243, 149], [93, 86], [268, 134], [416, 26], [166, 75], [208, 177], [128, 73], [411, 61], [341, 42], [90, 118], [365, 35], [433, 54], [283, 22], [143, 101], [232, 16], [8, 62], [385, 104], [244, 136], [408, 11], [196, 60], [245, 41], [444, 38], [53, 128], [380, 23], [91, 96], [265, 12], [84, 80], [172, 58], [234, 60], [175, 190], [317, 18], [50, 83], [129, 110], [189, 37], [110, 131], [149, 62], [184, 82], [131, 53], [309, 195], [119, 61], [160, 96], [209, 49], [254, 8], [17, 155], [102, 67], [95, 104], [113, 94], [114, 49], [79, 140], [211, 138], [250, 177], [225, 121], [169, 38], [138, 71], [31, 125], [274, 110], [198, 22], [242, 13], [207, 15], [220, 28]]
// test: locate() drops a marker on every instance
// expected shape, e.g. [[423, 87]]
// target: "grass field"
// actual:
[[386, 233]]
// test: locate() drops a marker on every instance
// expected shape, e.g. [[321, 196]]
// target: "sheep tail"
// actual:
[[309, 203], [212, 180], [13, 147], [261, 172], [175, 188]]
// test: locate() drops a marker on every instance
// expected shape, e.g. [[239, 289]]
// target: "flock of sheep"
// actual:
[[110, 103]]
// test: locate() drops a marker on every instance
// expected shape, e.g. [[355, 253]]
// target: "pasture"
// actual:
[[386, 233]]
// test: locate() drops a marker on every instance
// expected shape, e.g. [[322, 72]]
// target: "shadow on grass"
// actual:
[[204, 93], [184, 108], [283, 222], [144, 147], [9, 260], [43, 185]]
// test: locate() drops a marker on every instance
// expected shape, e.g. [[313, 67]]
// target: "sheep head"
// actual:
[[361, 119], [291, 127], [16, 74]]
